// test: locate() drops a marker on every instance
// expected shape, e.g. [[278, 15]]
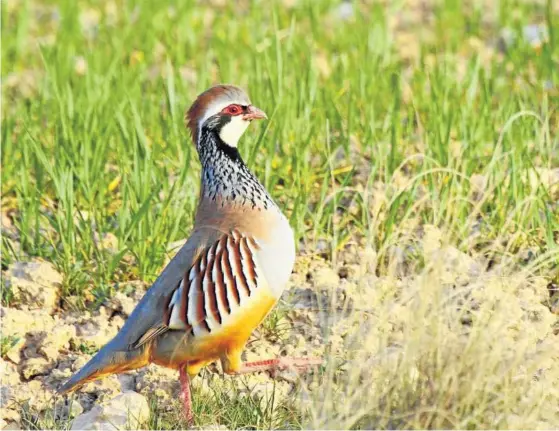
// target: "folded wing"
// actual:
[[215, 287]]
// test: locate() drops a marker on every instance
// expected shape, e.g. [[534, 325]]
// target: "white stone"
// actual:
[[129, 410], [75, 409], [68, 409], [121, 302], [97, 332], [54, 341], [18, 322], [34, 284]]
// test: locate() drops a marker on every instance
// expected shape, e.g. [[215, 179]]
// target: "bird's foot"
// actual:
[[280, 364]]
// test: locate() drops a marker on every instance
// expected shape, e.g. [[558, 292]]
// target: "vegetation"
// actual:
[[384, 119]]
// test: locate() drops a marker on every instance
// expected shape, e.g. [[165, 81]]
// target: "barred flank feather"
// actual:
[[216, 285]]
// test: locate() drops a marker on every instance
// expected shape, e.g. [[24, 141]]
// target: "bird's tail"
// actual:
[[107, 361]]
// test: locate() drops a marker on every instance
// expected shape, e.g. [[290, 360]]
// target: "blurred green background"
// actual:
[[383, 116]]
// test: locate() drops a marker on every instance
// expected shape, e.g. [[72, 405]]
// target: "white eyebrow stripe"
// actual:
[[216, 107]]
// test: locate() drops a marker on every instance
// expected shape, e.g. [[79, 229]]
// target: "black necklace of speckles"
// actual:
[[224, 174]]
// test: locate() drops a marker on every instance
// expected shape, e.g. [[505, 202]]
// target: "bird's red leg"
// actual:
[[186, 396], [282, 363]]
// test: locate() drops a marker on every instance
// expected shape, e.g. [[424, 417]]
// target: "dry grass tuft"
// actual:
[[427, 352]]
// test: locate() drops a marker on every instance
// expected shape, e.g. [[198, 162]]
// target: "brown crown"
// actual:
[[204, 100]]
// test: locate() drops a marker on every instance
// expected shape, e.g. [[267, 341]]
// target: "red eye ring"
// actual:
[[233, 110]]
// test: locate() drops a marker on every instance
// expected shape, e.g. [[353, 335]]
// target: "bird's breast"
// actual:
[[269, 227], [276, 256]]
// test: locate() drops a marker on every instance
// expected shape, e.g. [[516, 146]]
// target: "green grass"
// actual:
[[377, 127], [6, 343], [225, 405]]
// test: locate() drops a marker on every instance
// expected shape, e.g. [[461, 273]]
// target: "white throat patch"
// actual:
[[232, 131]]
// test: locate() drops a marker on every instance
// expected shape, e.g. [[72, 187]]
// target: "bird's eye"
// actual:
[[233, 110]]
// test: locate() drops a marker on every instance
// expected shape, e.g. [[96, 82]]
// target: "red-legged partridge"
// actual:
[[228, 275]]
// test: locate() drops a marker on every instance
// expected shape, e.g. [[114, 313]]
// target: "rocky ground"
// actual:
[[43, 345], [322, 314]]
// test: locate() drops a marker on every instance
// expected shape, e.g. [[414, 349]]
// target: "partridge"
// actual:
[[225, 279]]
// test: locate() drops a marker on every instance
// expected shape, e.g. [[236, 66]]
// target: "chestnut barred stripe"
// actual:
[[248, 259], [198, 308], [237, 267], [217, 284], [210, 299], [217, 274], [231, 287]]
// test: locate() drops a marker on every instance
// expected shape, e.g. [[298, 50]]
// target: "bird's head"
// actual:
[[225, 110]]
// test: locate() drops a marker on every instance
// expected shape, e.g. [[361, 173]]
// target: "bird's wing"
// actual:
[[121, 354], [219, 281], [146, 319]]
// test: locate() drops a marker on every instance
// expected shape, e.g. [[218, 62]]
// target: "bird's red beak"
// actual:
[[253, 113]]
